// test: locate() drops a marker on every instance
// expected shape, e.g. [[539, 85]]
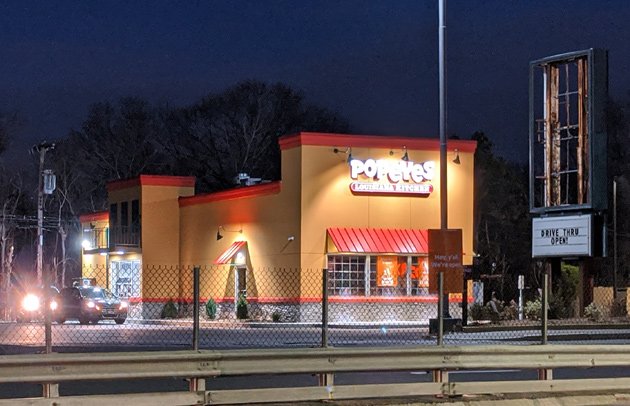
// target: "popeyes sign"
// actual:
[[382, 176]]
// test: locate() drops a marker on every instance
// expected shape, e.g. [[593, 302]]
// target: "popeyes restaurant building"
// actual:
[[357, 206]]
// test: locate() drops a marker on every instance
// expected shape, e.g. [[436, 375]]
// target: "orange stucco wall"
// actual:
[[315, 195], [284, 223]]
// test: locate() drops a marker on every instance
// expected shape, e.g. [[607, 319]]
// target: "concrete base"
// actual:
[[450, 325]]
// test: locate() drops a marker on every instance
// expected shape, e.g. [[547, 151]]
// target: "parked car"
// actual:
[[30, 306], [90, 304]]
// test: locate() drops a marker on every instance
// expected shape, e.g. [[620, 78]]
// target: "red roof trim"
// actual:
[[238, 193], [453, 298], [152, 180], [98, 216], [379, 240], [227, 255], [372, 141]]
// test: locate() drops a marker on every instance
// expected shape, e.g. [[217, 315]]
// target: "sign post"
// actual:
[[521, 286], [445, 258]]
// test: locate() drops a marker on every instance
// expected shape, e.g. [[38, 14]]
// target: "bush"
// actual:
[[593, 312], [211, 309], [618, 308], [276, 316], [476, 311], [533, 310], [241, 307], [169, 311], [509, 312], [564, 293]]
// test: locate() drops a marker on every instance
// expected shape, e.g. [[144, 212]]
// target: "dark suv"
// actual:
[[90, 304]]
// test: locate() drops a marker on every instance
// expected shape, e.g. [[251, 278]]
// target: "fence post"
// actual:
[[440, 375], [196, 300], [47, 313], [325, 308], [545, 304], [440, 335]]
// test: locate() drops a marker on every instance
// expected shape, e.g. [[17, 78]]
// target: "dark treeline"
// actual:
[[236, 131]]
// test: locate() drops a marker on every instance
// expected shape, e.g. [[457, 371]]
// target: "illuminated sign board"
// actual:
[[445, 255], [562, 236], [383, 176]]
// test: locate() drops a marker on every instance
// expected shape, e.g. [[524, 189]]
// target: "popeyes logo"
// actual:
[[391, 177]]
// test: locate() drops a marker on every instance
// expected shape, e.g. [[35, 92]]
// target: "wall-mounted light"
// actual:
[[405, 156], [219, 235], [456, 159], [347, 151], [86, 244]]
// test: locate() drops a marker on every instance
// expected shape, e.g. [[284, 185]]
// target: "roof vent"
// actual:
[[243, 179]]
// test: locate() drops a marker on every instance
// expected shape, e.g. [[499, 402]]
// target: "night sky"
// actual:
[[375, 62]]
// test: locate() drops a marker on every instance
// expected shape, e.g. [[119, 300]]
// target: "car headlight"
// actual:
[[30, 303], [53, 305], [123, 305], [91, 305]]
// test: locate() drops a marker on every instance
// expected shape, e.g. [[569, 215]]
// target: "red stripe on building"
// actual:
[[264, 189], [372, 141], [379, 240], [227, 255], [99, 216], [152, 180], [298, 300]]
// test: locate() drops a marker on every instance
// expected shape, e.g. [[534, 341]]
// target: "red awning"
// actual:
[[379, 240], [227, 255]]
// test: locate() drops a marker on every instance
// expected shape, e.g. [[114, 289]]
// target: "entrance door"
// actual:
[[125, 280], [240, 285]]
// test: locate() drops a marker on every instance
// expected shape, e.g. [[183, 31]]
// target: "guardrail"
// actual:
[[52, 369]]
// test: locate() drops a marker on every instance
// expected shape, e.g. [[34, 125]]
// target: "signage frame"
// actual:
[[551, 236]]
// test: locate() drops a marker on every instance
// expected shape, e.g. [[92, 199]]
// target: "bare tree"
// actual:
[[115, 142], [237, 131], [10, 197]]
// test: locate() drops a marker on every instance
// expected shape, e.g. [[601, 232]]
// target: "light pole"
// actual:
[[41, 148], [443, 297], [614, 276]]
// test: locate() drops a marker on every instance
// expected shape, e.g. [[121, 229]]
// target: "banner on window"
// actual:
[[387, 271]]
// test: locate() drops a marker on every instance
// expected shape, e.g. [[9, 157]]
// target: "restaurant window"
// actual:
[[113, 215], [124, 214], [388, 276], [346, 275], [135, 215], [419, 276]]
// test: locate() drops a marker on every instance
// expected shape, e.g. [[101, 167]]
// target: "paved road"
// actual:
[[29, 337]]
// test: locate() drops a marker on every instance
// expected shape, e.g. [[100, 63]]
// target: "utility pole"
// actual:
[[41, 148]]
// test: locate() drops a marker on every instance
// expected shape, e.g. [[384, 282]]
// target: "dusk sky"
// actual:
[[375, 62]]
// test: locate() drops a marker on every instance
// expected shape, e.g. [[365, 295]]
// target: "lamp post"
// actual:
[[41, 148], [443, 167], [614, 276]]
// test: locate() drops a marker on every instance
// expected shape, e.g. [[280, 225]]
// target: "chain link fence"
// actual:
[[158, 308]]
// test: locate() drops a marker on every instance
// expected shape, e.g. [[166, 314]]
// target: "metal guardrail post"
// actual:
[[50, 390], [545, 304], [325, 308], [196, 300], [440, 332]]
